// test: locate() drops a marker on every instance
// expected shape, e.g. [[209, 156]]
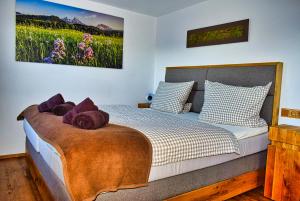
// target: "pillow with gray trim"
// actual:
[[171, 97], [233, 105], [187, 107]]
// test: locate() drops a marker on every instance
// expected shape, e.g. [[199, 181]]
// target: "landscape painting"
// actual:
[[232, 32], [52, 33]]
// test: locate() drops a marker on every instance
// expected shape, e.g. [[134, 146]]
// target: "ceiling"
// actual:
[[154, 8]]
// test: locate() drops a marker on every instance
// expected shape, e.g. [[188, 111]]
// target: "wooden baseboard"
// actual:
[[38, 180], [12, 156], [225, 189]]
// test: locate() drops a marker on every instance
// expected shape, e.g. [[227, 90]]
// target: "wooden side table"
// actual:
[[143, 105], [282, 182]]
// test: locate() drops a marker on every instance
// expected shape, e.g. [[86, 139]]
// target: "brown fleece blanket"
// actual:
[[95, 161]]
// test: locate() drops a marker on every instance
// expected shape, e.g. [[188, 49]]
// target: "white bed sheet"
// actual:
[[248, 146], [33, 138], [239, 131], [251, 140]]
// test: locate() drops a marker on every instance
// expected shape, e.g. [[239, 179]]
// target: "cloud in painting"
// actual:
[[90, 16]]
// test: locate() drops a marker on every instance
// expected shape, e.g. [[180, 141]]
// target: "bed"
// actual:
[[201, 178]]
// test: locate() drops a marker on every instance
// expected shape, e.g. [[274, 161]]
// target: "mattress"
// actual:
[[33, 138], [251, 140]]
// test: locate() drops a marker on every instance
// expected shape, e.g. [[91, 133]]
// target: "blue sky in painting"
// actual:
[[40, 7]]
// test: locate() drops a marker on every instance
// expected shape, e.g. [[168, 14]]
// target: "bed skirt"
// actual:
[[160, 189]]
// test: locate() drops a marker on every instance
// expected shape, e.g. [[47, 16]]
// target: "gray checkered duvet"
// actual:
[[174, 139]]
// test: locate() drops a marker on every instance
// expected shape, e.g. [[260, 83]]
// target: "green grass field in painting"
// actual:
[[33, 44]]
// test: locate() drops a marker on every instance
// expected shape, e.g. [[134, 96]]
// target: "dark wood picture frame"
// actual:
[[232, 32]]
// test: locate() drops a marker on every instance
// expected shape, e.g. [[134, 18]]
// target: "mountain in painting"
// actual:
[[73, 21], [104, 27]]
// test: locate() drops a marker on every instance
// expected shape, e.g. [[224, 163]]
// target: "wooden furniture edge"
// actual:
[[269, 171], [278, 80], [19, 155], [277, 93], [225, 189], [282, 172], [259, 64], [38, 180], [290, 113], [285, 134], [144, 105]]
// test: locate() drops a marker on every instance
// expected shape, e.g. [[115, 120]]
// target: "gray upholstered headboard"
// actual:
[[247, 75]]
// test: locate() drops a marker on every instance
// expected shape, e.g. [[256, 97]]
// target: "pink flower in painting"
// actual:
[[81, 45], [85, 51], [58, 52], [89, 53], [59, 45], [87, 38]]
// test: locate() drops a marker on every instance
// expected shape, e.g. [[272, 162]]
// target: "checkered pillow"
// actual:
[[234, 105], [171, 97], [187, 107]]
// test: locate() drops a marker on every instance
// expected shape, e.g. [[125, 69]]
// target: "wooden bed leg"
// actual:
[[38, 180], [225, 189]]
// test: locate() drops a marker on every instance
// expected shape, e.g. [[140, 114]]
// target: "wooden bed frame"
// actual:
[[218, 191], [225, 189]]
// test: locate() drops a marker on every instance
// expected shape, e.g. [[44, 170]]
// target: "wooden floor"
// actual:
[[254, 195], [16, 184]]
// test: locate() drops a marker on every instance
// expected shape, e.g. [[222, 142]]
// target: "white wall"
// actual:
[[23, 84], [274, 36]]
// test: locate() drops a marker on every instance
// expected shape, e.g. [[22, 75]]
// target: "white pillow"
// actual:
[[233, 105], [171, 97]]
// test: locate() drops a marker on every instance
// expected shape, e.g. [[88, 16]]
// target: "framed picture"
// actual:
[[52, 33], [220, 34]]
